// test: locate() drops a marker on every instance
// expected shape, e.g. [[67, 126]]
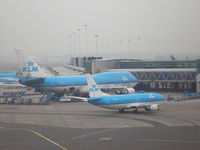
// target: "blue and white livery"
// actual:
[[8, 78], [148, 101], [32, 75]]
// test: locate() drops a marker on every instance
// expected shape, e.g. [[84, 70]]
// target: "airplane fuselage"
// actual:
[[127, 101], [59, 84]]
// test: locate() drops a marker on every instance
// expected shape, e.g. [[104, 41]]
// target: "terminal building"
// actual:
[[154, 75]]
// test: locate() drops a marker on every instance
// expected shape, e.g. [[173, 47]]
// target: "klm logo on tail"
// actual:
[[94, 88], [30, 67]]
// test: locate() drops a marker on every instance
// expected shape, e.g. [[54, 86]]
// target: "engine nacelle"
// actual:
[[154, 107], [131, 90], [125, 91]]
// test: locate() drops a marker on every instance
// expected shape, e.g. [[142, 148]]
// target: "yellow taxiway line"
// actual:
[[40, 135]]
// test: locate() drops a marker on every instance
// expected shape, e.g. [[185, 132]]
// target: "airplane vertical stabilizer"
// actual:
[[28, 67], [94, 90]]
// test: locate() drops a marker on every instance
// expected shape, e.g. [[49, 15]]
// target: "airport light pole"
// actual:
[[139, 39], [70, 45], [96, 37], [129, 44], [120, 45], [67, 46], [79, 41], [74, 35], [86, 40], [108, 44]]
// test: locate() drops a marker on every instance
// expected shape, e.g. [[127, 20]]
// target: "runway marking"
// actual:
[[40, 135], [47, 139], [168, 141], [105, 139], [29, 122], [94, 133]]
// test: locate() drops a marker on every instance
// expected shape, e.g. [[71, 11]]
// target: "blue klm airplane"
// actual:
[[148, 101], [8, 78], [32, 75], [7, 75]]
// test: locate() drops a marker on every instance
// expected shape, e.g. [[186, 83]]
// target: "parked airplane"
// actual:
[[148, 101], [8, 78], [4, 75], [32, 75]]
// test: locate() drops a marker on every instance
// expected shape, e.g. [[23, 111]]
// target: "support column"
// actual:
[[198, 76], [198, 82]]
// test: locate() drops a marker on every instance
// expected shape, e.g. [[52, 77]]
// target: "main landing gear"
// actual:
[[121, 110], [135, 110], [147, 108]]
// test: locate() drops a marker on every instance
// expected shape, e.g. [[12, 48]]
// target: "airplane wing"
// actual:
[[118, 89], [113, 87], [84, 99]]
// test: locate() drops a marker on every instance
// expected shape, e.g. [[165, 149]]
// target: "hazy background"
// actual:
[[145, 29]]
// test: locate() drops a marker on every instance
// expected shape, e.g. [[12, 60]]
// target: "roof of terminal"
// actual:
[[156, 70]]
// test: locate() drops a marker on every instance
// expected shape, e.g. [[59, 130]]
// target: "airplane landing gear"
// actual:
[[121, 110], [135, 110], [158, 108], [147, 108]]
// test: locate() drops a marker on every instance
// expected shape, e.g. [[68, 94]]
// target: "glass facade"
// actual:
[[157, 64], [145, 64], [198, 65], [88, 67]]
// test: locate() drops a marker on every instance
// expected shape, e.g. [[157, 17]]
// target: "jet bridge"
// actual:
[[164, 79]]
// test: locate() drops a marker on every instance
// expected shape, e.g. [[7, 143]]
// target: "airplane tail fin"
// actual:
[[94, 90], [27, 66]]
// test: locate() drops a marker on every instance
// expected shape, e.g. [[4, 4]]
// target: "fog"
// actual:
[[145, 29]]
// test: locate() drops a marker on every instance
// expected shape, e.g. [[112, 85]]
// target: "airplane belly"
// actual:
[[115, 106], [128, 105]]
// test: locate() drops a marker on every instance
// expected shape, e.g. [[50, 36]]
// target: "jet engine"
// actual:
[[130, 90], [154, 107], [125, 91]]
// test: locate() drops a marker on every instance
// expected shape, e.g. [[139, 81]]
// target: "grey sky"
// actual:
[[164, 26]]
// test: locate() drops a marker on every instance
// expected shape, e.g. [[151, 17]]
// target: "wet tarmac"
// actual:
[[78, 126]]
